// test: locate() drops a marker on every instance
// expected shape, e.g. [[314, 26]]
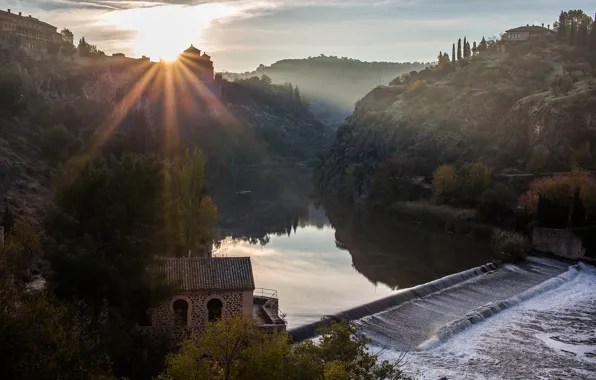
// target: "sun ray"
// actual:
[[113, 120], [212, 100], [170, 122]]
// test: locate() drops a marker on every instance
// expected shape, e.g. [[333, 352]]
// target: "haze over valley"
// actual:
[[297, 190]]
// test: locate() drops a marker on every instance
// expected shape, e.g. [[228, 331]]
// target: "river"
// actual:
[[319, 267], [534, 320]]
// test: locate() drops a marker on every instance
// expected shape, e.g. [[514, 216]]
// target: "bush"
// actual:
[[417, 84], [11, 91], [496, 204], [235, 348], [461, 187], [445, 184], [510, 246], [58, 144], [560, 191]]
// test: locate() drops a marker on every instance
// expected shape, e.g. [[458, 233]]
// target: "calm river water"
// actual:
[[323, 262]]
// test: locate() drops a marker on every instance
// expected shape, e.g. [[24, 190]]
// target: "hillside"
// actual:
[[332, 84], [529, 109], [133, 107]]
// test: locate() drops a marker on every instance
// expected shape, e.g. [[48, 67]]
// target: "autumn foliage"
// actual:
[[561, 189]]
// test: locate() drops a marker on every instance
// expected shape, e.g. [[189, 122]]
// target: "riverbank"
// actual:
[[454, 220]]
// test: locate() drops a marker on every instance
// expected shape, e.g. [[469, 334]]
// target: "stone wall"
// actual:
[[163, 315], [562, 243]]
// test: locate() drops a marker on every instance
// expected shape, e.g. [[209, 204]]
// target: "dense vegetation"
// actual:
[[517, 107], [235, 349], [332, 84]]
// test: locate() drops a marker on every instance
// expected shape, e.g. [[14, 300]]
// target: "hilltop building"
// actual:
[[522, 33], [200, 65], [211, 289], [27, 31]]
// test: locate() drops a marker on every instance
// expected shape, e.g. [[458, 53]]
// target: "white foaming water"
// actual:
[[546, 332]]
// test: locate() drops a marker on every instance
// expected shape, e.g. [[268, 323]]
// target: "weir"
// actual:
[[419, 317]]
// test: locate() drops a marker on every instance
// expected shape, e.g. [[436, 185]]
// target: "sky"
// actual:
[[241, 34]]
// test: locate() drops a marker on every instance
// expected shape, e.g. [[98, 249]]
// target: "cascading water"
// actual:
[[438, 314], [536, 320]]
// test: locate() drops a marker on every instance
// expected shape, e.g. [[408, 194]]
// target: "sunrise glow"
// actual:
[[162, 32]]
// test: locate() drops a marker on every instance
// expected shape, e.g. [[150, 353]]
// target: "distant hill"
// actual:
[[332, 84], [529, 109]]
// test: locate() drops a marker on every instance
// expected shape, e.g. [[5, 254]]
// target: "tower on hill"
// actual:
[[200, 65]]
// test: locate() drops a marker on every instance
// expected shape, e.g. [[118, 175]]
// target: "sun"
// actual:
[[163, 32]]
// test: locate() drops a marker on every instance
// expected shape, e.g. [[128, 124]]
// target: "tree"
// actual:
[[453, 53], [474, 48], [266, 79], [84, 48], [459, 56], [41, 338], [104, 233], [474, 179], [8, 220], [67, 36], [234, 348], [466, 55], [445, 184], [196, 212], [483, 46], [21, 246], [592, 39], [58, 144], [561, 26], [297, 98], [572, 34]]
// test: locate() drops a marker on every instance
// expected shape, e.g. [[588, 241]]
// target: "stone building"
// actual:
[[200, 65], [27, 31], [523, 33], [210, 289]]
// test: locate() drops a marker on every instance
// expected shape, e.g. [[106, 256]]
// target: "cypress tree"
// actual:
[[562, 26], [483, 45], [592, 38], [572, 34], [453, 51], [459, 49], [297, 97], [468, 50], [474, 48], [582, 35], [8, 221], [465, 48]]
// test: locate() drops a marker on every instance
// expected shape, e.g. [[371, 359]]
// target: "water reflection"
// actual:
[[327, 260]]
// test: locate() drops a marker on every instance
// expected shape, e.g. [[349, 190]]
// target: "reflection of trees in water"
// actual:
[[401, 254], [257, 204]]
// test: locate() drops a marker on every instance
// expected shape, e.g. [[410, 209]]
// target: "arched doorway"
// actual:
[[180, 307], [214, 309]]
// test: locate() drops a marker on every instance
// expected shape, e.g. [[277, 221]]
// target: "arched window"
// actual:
[[214, 308], [180, 307]]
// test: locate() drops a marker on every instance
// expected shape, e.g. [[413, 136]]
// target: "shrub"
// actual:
[[496, 204], [11, 91], [58, 144], [510, 246], [417, 84], [474, 180], [445, 184], [560, 189]]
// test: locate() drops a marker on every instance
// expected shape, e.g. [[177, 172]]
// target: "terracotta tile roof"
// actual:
[[216, 273], [529, 28]]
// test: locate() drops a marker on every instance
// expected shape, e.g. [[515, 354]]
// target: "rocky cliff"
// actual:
[[137, 107], [528, 107]]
